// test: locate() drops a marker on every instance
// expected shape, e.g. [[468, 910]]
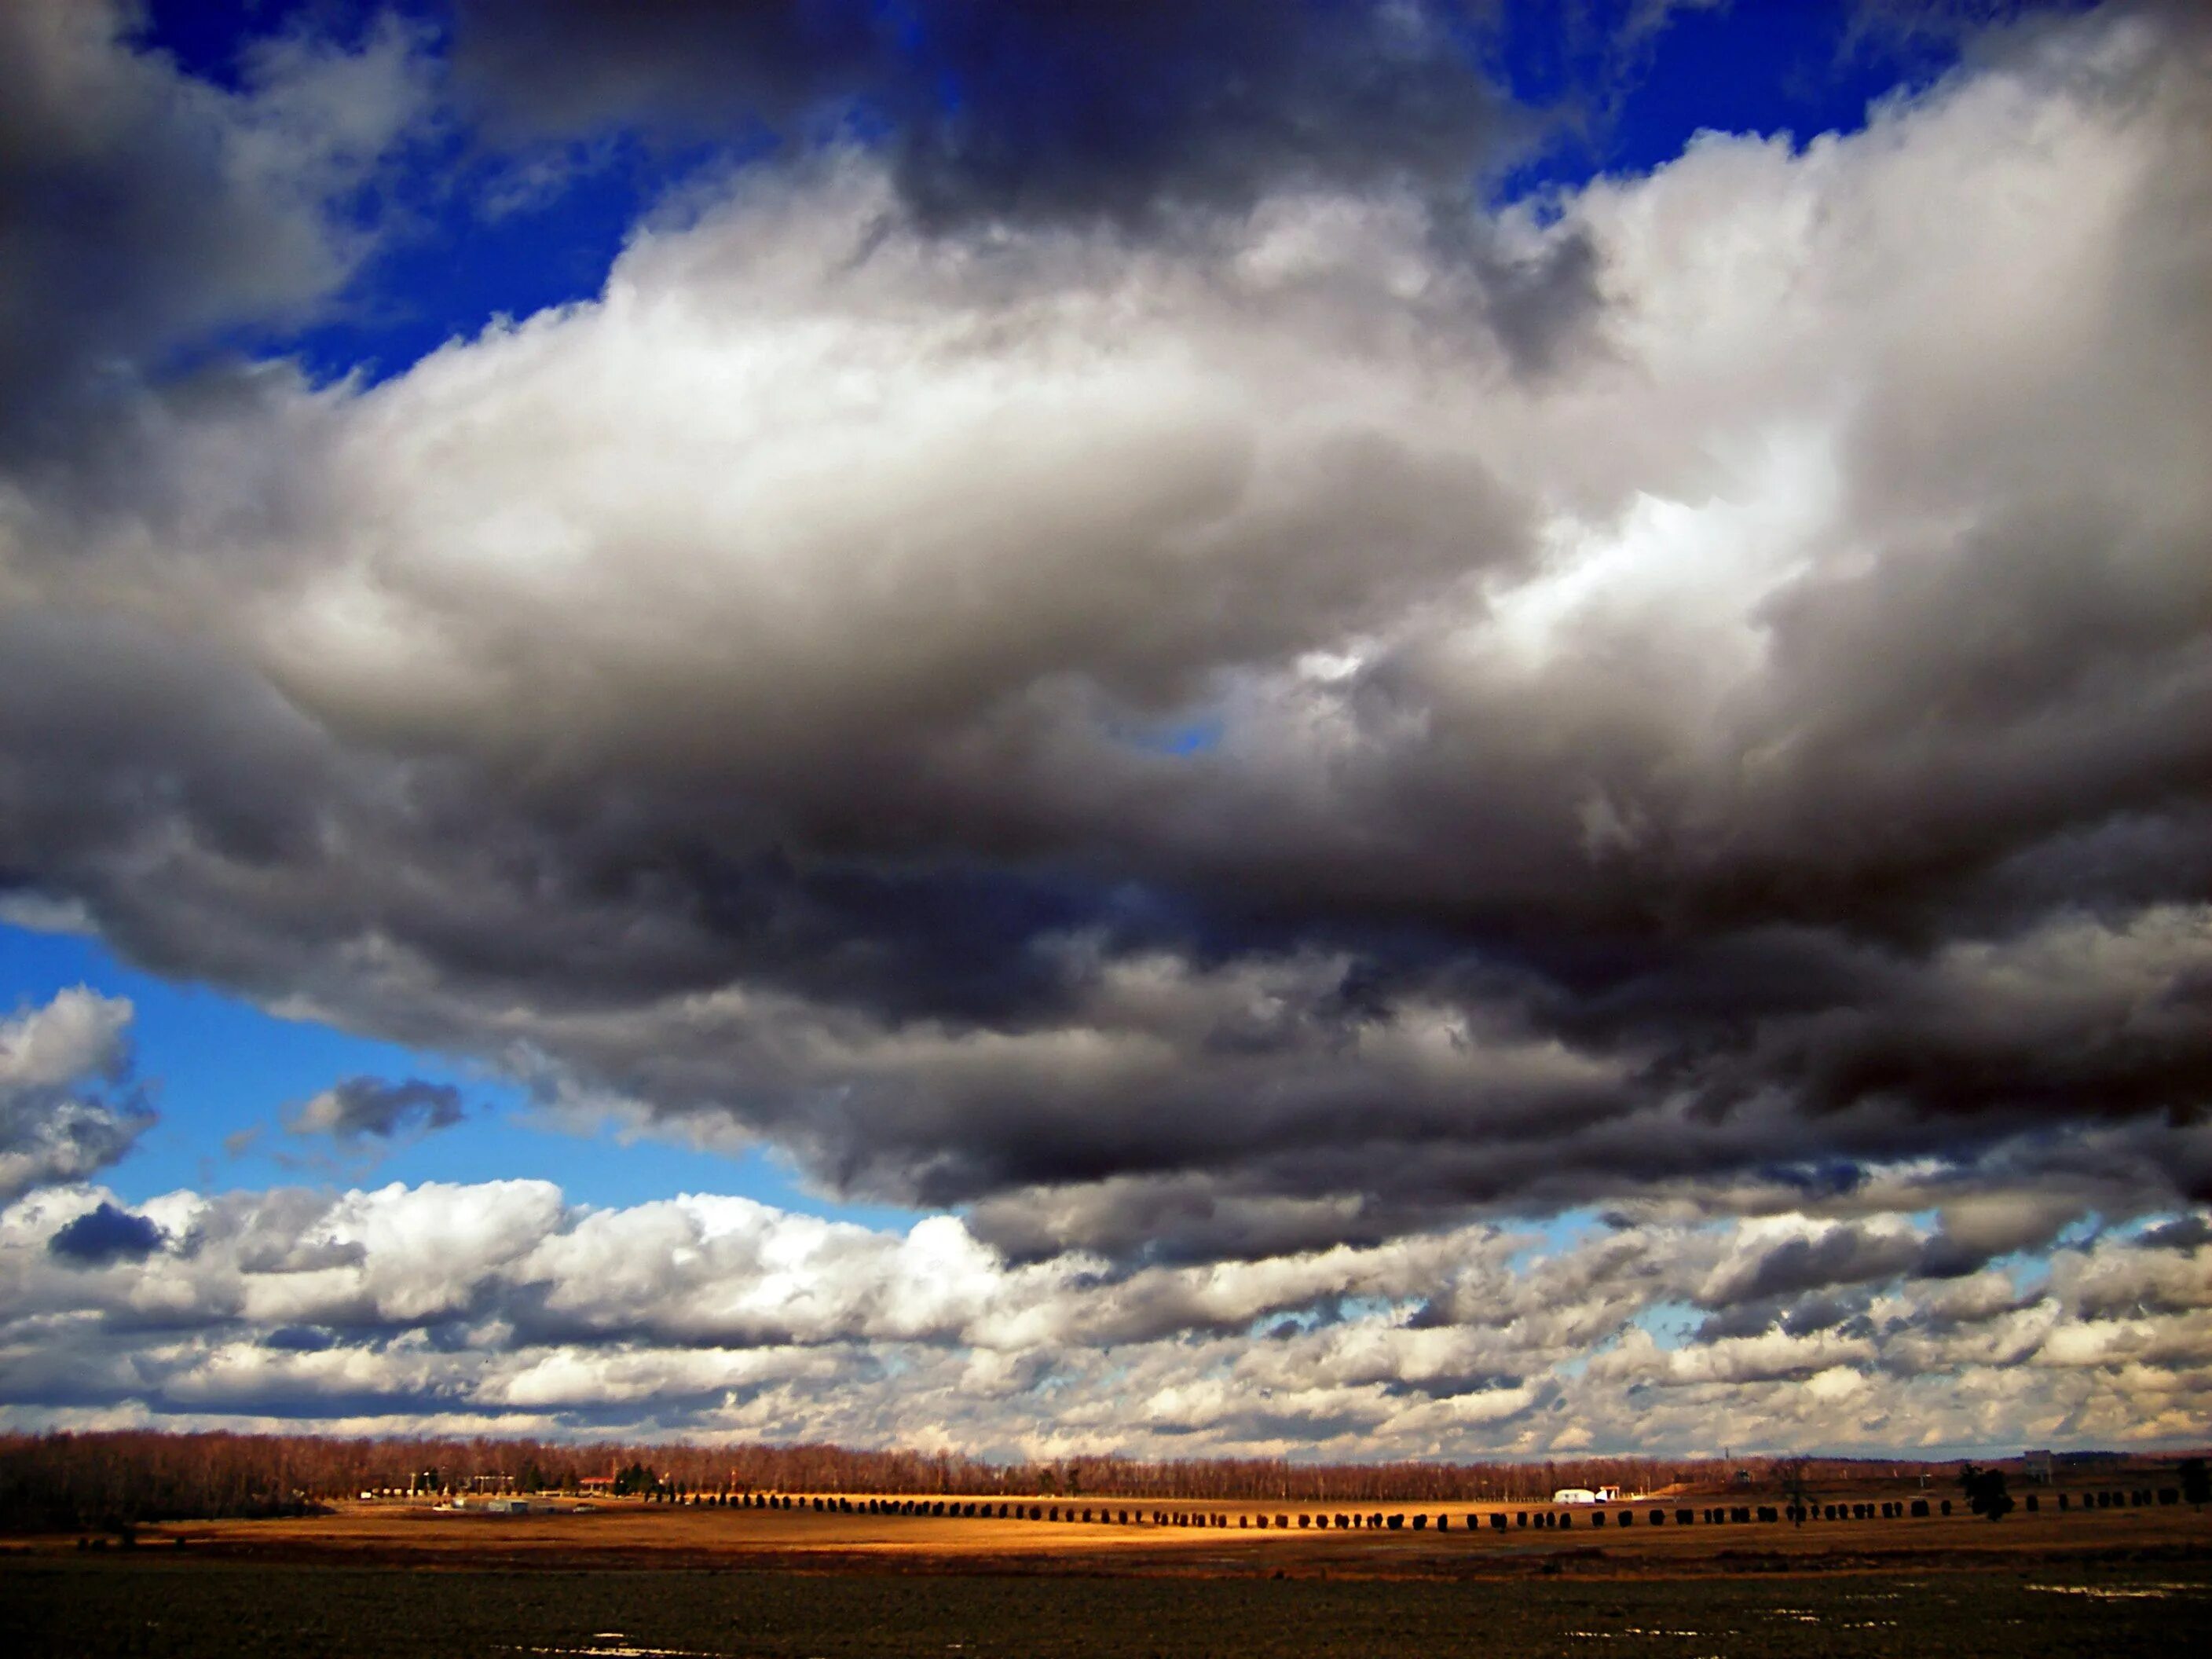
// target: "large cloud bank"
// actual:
[[1288, 723], [502, 1308]]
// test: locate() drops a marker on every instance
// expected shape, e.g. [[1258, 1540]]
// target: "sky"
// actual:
[[1354, 729]]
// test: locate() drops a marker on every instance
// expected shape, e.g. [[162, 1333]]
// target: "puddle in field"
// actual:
[[600, 1649], [1795, 1616], [1807, 1616], [2109, 1593], [1631, 1630]]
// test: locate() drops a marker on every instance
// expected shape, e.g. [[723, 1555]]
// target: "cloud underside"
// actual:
[[501, 1308], [1217, 740]]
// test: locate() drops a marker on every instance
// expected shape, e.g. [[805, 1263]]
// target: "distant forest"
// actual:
[[119, 1479]]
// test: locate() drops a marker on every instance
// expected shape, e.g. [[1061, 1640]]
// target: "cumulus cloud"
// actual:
[[67, 1110], [503, 1306], [1182, 742]]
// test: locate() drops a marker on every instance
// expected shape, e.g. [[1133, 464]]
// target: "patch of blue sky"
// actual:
[[1352, 1308], [205, 38], [1552, 1235], [1184, 735], [1669, 1324], [2029, 1275], [463, 234], [1277, 1321], [1624, 102], [2031, 1269], [217, 1069], [482, 241], [461, 269], [2086, 1230]]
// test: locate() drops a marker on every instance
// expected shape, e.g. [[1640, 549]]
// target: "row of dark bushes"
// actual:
[[1497, 1520], [1986, 1497], [1107, 1515]]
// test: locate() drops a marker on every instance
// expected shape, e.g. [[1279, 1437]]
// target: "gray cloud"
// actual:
[[1841, 1255], [143, 210], [369, 1106], [2184, 1233], [1067, 110]]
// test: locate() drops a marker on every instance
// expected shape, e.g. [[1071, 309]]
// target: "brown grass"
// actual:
[[629, 1533]]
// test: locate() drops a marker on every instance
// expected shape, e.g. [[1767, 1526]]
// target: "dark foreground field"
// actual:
[[157, 1606]]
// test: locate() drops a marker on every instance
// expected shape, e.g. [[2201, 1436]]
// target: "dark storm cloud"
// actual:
[[1843, 1255], [1152, 116], [1074, 110], [1210, 746], [2183, 1233], [371, 1107], [1796, 1278], [105, 1235], [1186, 1216], [142, 211], [300, 1339], [1801, 1316]]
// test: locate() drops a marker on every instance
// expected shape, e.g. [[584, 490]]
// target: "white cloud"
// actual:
[[63, 1117], [715, 1316]]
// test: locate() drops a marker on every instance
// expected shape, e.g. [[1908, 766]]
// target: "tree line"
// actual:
[[121, 1477]]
